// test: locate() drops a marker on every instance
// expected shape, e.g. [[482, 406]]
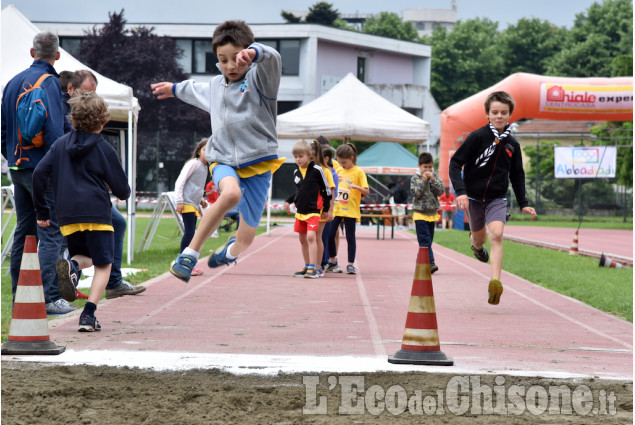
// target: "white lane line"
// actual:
[[206, 281], [538, 303], [375, 336]]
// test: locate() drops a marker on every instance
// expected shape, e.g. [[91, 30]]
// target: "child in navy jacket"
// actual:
[[81, 166]]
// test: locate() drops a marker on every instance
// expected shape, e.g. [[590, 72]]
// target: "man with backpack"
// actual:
[[24, 148]]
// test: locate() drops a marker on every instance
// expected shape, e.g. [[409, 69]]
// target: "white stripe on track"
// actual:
[[375, 336]]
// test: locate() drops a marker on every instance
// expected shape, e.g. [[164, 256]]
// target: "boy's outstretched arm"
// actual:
[[162, 90]]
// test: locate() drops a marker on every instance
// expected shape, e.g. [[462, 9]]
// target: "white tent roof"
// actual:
[[352, 110], [17, 40]]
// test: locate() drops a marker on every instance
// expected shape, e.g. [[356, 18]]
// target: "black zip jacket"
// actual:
[[488, 168], [80, 167], [312, 193]]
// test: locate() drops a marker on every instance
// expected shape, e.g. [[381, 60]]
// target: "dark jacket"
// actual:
[[488, 168], [80, 167], [312, 193], [53, 127]]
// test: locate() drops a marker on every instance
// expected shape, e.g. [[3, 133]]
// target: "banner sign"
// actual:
[[585, 162], [585, 98]]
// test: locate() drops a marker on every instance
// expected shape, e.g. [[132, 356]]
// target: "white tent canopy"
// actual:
[[350, 110], [17, 40]]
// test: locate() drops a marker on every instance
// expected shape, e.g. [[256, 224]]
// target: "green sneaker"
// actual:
[[495, 290], [300, 273]]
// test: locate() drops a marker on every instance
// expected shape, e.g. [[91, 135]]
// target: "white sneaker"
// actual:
[[60, 306], [215, 234]]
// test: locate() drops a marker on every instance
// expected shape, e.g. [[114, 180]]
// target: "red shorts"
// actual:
[[304, 226]]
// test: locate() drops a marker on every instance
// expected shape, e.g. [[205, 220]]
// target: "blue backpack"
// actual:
[[31, 112]]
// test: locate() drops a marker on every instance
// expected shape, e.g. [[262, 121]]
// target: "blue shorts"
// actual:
[[254, 192], [97, 245], [484, 213]]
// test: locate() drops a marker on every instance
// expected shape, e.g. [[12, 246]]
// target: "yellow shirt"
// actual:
[[420, 216], [190, 208], [257, 169], [82, 227], [329, 179], [347, 200]]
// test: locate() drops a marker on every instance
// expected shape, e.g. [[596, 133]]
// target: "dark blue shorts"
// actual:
[[98, 245]]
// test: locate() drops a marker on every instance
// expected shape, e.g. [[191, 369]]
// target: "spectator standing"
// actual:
[[24, 156]]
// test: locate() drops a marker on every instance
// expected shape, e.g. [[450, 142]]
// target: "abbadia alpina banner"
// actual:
[[585, 162]]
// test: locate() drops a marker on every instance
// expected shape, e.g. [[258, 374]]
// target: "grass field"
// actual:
[[610, 290], [606, 289]]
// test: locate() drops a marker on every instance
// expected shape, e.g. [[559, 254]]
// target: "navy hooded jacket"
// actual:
[[53, 127], [80, 166]]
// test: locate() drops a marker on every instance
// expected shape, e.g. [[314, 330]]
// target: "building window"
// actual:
[[286, 106], [71, 45], [289, 49], [185, 61], [204, 58], [361, 69]]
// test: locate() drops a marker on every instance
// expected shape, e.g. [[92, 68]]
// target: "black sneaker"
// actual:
[[300, 273], [67, 279], [433, 268], [481, 254], [88, 324]]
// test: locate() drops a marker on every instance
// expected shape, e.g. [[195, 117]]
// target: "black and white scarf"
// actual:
[[487, 154]]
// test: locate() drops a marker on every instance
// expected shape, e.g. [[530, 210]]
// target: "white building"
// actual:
[[315, 58]]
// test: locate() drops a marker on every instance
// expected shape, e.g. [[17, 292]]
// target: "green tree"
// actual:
[[138, 57], [289, 17], [604, 32], [322, 13], [529, 45], [465, 60], [389, 24]]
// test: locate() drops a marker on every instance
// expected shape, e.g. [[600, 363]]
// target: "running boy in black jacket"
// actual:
[[490, 158], [80, 166], [312, 199]]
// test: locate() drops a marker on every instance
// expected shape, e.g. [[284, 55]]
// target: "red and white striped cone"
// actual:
[[608, 262], [574, 245], [28, 332], [420, 343]]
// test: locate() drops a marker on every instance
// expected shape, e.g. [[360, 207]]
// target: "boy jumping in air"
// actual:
[[490, 158], [242, 149]]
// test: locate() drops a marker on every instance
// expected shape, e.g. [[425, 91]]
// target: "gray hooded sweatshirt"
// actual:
[[243, 113]]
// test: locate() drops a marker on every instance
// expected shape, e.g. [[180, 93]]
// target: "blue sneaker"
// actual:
[[219, 257], [67, 279], [182, 267]]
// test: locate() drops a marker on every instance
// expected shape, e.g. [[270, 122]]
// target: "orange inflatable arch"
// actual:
[[539, 96]]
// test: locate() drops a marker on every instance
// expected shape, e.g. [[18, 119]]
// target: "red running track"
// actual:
[[257, 307]]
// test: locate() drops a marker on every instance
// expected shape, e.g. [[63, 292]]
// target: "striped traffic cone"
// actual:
[[28, 332], [420, 344], [574, 245], [609, 262]]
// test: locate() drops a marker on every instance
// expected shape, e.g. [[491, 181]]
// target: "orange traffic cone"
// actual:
[[574, 245], [28, 332], [420, 344], [608, 262]]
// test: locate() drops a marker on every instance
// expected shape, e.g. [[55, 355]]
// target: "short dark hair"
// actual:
[[46, 45], [80, 76], [65, 78], [237, 33], [323, 141], [425, 158], [502, 97]]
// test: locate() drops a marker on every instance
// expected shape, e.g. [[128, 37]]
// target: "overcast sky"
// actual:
[[559, 12]]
